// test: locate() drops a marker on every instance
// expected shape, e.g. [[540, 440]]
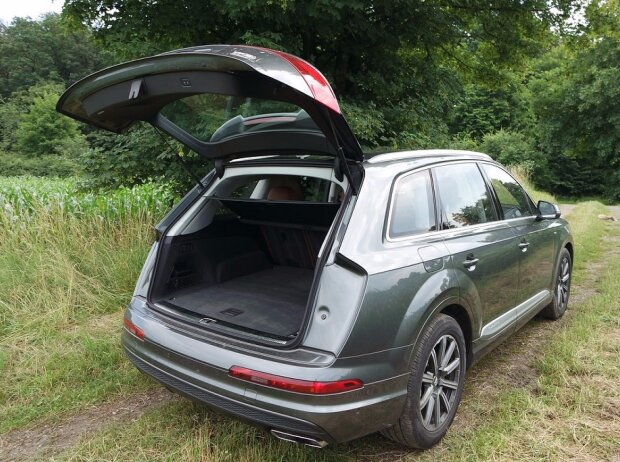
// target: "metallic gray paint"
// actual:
[[313, 92], [377, 298]]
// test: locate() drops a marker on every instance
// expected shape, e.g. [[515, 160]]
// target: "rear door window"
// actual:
[[413, 209], [464, 198], [512, 198]]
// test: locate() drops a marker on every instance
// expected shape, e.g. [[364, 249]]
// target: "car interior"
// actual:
[[252, 266]]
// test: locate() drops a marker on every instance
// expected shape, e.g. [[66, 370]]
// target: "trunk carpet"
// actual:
[[271, 301]]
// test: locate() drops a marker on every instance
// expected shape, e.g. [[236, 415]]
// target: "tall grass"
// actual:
[[68, 263]]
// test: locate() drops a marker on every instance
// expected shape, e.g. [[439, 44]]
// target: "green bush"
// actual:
[[43, 131], [366, 121], [136, 157], [515, 149], [465, 142], [12, 164]]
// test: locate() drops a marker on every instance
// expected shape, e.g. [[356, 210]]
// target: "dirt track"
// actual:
[[48, 439]]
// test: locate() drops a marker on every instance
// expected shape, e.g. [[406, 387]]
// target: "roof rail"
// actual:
[[405, 155]]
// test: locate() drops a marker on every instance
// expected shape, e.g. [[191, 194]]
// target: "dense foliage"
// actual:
[[577, 106], [527, 81], [47, 50], [394, 62]]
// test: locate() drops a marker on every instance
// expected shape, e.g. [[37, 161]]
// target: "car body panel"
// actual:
[[337, 303], [536, 261], [490, 284], [341, 416], [373, 300], [116, 97]]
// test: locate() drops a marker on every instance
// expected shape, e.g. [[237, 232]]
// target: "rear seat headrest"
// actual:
[[283, 193]]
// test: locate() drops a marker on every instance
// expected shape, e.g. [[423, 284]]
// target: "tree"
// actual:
[[402, 57], [577, 105], [349, 39], [43, 131], [482, 110], [32, 52]]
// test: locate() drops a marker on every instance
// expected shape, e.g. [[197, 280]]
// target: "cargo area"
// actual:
[[251, 268]]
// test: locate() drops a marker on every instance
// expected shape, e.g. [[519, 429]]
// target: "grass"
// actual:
[[68, 264]]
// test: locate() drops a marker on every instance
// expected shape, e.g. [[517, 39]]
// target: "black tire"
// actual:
[[561, 292], [415, 429]]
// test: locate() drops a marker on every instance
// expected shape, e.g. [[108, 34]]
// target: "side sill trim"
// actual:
[[509, 318]]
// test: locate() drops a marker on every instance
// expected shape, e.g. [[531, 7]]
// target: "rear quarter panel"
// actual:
[[401, 292]]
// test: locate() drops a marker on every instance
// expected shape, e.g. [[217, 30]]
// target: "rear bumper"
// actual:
[[244, 411], [199, 370]]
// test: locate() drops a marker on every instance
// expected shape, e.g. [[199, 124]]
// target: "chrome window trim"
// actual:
[[456, 232]]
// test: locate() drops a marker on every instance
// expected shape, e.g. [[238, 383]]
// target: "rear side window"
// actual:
[[511, 196], [413, 210], [464, 197]]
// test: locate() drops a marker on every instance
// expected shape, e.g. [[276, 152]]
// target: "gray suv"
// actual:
[[304, 286]]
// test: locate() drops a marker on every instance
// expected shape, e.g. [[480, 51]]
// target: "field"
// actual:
[[68, 262]]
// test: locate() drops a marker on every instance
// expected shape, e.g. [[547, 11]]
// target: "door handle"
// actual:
[[524, 245], [470, 263]]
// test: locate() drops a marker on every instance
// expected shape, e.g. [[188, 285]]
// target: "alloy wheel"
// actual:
[[440, 382], [563, 285]]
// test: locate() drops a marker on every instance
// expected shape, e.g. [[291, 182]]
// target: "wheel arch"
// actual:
[[569, 246], [461, 316], [452, 305]]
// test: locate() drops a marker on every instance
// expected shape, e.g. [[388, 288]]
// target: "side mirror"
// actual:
[[547, 211]]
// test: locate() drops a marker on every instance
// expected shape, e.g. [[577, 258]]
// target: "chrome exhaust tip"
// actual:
[[305, 440]]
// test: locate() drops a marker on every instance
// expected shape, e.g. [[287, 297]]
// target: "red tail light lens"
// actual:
[[314, 79], [133, 329], [296, 385]]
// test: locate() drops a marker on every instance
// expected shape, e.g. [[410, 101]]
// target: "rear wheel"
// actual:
[[557, 307], [435, 385]]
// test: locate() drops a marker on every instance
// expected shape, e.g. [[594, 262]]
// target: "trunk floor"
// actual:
[[271, 301]]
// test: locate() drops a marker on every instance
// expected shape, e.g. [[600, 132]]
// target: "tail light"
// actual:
[[133, 329], [296, 385]]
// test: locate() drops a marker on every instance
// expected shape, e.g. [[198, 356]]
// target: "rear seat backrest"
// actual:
[[293, 246]]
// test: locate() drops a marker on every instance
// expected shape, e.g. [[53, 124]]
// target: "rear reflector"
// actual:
[[133, 329], [296, 385]]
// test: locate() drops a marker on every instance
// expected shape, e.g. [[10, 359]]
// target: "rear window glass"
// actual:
[[212, 117], [413, 210]]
